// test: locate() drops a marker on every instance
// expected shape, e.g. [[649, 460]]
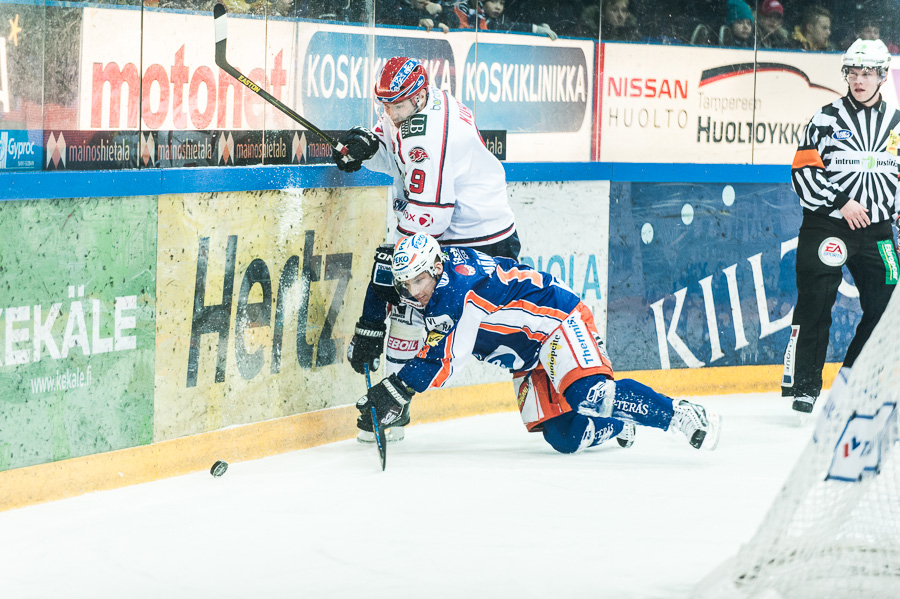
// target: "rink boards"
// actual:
[[144, 335]]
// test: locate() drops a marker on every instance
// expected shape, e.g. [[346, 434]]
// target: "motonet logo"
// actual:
[[184, 96]]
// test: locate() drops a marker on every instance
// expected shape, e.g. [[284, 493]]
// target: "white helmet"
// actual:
[[413, 256], [871, 54]]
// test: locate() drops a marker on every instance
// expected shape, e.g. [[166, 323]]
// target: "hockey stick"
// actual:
[[380, 438], [222, 62]]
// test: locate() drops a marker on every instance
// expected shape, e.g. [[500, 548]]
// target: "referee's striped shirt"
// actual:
[[849, 152]]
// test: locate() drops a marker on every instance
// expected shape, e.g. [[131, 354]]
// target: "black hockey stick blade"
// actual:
[[222, 62], [380, 437]]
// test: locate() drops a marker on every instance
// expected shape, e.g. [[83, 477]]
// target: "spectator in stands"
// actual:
[[416, 13], [814, 31], [738, 29], [771, 31], [589, 23], [617, 23], [490, 16], [869, 28]]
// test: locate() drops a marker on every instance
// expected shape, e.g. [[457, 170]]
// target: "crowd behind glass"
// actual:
[[812, 25]]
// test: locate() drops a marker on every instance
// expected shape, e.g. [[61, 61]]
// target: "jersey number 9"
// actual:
[[417, 181]]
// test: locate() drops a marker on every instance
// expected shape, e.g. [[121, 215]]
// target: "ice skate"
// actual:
[[700, 428], [804, 404], [626, 437]]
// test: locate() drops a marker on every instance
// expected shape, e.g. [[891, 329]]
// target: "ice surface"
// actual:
[[466, 509]]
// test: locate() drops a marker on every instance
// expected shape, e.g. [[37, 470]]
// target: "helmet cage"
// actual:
[[882, 71]]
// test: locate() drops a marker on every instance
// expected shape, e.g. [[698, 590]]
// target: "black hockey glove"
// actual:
[[366, 345], [361, 145], [390, 399], [382, 278]]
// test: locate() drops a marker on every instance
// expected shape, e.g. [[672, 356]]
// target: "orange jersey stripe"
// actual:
[[479, 301], [504, 330], [807, 158], [514, 274], [538, 310], [444, 373]]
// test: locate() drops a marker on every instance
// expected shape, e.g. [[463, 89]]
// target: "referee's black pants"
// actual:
[[871, 260]]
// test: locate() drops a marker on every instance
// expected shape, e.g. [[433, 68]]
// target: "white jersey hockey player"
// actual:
[[451, 188]]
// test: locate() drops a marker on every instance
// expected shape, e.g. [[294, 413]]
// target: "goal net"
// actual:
[[834, 529]]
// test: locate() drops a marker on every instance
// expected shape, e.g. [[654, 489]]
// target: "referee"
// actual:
[[846, 173]]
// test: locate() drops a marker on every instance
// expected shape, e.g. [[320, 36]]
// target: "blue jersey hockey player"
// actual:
[[506, 313]]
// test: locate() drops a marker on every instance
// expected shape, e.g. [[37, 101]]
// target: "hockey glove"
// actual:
[[382, 279], [366, 345], [361, 145], [390, 399]]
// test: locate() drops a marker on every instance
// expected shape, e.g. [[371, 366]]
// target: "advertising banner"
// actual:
[[171, 81], [338, 72], [20, 151], [158, 75], [564, 229], [710, 105], [258, 296], [92, 150], [528, 89], [703, 275], [76, 327]]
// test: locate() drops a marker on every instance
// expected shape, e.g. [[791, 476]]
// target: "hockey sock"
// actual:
[[642, 405], [571, 432]]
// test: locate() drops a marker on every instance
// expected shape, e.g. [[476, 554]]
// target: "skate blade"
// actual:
[[392, 435], [713, 432]]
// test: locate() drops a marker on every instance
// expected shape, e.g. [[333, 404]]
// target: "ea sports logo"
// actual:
[[833, 252]]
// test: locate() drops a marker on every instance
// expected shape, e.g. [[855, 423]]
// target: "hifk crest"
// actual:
[[418, 154]]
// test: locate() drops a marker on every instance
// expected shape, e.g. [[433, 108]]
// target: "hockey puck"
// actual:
[[219, 468]]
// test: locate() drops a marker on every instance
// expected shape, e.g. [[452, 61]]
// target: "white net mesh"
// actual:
[[834, 529]]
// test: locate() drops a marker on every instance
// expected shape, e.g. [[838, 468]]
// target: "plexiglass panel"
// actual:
[[117, 85]]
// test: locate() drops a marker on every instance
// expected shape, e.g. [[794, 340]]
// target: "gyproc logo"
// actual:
[[13, 152]]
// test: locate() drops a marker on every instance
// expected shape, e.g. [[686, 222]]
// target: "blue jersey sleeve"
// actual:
[[375, 309]]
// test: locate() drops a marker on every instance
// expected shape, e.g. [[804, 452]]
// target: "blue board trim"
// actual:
[[80, 184]]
